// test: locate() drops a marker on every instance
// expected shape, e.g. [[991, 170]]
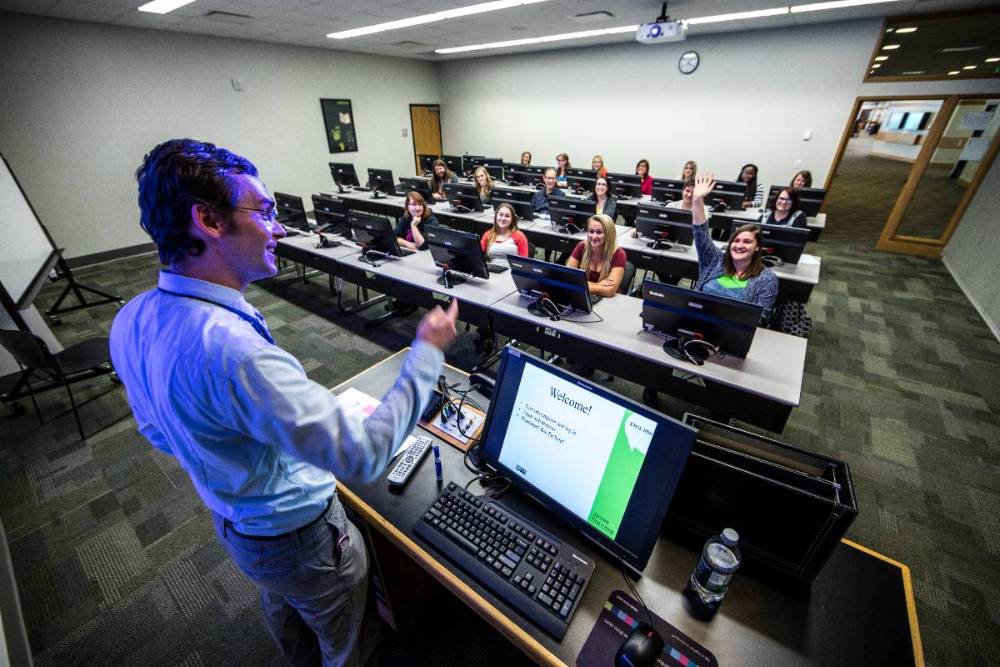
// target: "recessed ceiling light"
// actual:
[[538, 40], [953, 72], [163, 6], [881, 58], [960, 49], [876, 65], [837, 4], [969, 67], [890, 47], [918, 71], [738, 16], [903, 30], [888, 30], [434, 17], [993, 60]]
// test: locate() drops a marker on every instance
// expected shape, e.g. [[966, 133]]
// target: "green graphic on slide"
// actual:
[[616, 486]]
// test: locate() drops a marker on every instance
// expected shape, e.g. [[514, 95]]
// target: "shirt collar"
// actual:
[[203, 289]]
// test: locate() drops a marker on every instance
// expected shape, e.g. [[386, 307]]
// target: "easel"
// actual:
[[64, 272]]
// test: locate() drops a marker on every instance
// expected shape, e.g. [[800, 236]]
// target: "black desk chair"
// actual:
[[82, 361]]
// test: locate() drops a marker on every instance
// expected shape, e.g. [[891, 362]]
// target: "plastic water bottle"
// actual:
[[720, 558]]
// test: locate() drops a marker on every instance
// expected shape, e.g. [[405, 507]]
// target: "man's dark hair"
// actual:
[[178, 174]]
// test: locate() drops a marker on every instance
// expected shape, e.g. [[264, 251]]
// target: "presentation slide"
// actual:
[[580, 449]]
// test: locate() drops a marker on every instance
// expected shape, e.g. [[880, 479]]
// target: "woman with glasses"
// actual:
[[600, 257], [603, 200], [786, 212]]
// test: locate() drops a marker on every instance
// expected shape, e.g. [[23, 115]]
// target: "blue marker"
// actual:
[[437, 463]]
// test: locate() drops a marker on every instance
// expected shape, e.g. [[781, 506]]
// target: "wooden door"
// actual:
[[425, 121]]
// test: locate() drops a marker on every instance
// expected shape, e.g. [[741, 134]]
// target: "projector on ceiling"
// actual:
[[661, 32]]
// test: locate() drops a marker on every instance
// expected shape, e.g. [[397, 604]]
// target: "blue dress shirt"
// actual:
[[260, 440]]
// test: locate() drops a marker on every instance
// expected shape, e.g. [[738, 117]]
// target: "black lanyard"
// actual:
[[257, 325]]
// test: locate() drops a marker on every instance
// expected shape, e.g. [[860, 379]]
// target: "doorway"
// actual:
[[425, 121]]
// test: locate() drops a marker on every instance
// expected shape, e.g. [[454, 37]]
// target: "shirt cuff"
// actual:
[[425, 355]]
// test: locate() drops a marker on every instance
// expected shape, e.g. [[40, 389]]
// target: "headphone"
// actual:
[[695, 350]]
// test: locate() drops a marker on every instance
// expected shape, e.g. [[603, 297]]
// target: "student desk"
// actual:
[[629, 209], [861, 610]]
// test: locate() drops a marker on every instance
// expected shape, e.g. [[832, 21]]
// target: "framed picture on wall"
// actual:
[[338, 117]]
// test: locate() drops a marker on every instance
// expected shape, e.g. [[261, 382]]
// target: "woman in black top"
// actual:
[[604, 202], [754, 195], [410, 226], [786, 211]]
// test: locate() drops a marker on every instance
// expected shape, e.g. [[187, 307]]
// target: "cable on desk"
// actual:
[[628, 582]]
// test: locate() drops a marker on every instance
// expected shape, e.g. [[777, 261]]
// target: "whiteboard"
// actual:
[[27, 253]]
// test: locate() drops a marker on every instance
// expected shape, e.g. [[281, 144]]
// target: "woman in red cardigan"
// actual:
[[504, 238]]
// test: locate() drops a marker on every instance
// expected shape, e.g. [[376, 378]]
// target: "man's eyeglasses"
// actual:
[[270, 214]]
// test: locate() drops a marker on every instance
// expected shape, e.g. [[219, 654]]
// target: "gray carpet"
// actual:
[[116, 562]]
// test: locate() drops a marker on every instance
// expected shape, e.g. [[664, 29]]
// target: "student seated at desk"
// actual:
[[689, 171], [526, 158], [737, 271], [754, 195], [441, 176], [540, 200], [786, 211], [802, 179], [410, 226], [687, 195], [604, 202], [562, 164], [642, 171], [600, 256], [597, 164], [484, 185], [504, 238]]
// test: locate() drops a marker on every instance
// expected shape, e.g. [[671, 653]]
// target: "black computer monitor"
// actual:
[[463, 197], [407, 185], [805, 193], [512, 193], [374, 234], [427, 163], [535, 168], [457, 254], [685, 315], [569, 214], [380, 180], [727, 194], [468, 162], [343, 174], [291, 211], [557, 289], [521, 176], [667, 189], [580, 184], [581, 173], [780, 245], [509, 166], [665, 227], [331, 215], [603, 464], [454, 163], [486, 161], [625, 185], [524, 209], [495, 171]]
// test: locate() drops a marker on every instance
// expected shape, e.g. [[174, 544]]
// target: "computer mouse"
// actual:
[[641, 649]]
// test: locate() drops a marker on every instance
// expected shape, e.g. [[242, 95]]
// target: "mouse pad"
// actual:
[[620, 615]]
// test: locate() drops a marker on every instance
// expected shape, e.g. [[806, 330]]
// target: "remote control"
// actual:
[[411, 457]]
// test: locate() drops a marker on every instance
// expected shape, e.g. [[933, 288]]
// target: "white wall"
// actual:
[[971, 254], [752, 98], [81, 103]]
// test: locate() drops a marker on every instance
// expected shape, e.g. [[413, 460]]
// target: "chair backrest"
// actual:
[[27, 349], [627, 279]]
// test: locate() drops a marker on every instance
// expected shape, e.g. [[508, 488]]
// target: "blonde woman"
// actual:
[[600, 257], [597, 164], [690, 171], [484, 185]]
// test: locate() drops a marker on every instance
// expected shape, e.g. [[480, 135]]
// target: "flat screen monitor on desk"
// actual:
[[536, 169], [524, 209], [805, 193], [486, 161], [512, 193], [667, 190], [494, 170], [698, 325], [668, 231], [810, 199], [779, 245], [427, 164], [581, 173], [331, 215], [374, 234], [454, 163], [520, 175], [601, 463], [291, 211], [469, 163], [625, 185], [343, 174], [380, 180], [557, 289], [570, 215], [580, 184], [407, 185], [457, 254], [727, 193], [463, 198]]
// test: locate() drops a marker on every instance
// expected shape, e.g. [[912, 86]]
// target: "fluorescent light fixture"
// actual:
[[458, 12], [890, 47], [918, 71], [960, 49], [992, 60], [876, 65], [837, 4], [880, 58], [900, 31], [738, 16], [953, 72], [538, 40], [888, 30], [163, 6], [969, 67]]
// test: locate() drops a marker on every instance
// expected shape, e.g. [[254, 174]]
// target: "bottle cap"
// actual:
[[730, 537]]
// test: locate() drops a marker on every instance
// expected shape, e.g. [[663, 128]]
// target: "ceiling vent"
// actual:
[[592, 17]]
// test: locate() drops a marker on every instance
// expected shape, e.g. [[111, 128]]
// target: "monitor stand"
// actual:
[[545, 307], [449, 278], [679, 349]]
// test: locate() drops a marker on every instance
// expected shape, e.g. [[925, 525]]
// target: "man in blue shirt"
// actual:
[[262, 443], [540, 200]]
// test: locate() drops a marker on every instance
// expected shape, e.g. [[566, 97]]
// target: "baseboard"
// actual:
[[975, 304], [110, 255]]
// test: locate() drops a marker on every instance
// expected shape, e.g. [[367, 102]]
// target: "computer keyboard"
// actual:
[[405, 252], [532, 571], [497, 267], [291, 231]]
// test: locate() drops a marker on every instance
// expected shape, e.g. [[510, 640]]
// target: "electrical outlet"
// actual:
[[807, 135], [406, 132]]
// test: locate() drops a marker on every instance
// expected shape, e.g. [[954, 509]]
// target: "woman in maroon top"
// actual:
[[600, 257]]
